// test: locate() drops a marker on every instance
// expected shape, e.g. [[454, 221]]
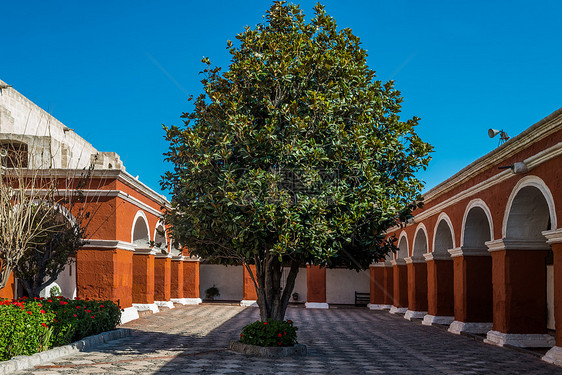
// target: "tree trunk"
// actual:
[[272, 300]]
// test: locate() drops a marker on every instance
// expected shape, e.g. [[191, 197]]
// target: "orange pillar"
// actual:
[[316, 287], [417, 288], [440, 303], [105, 274], [377, 283], [191, 281], [176, 287], [9, 290], [163, 280], [554, 355], [400, 287], [472, 273], [388, 285], [249, 295], [519, 285], [143, 276]]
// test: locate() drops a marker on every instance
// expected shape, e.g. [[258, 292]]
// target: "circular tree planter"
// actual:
[[268, 351]]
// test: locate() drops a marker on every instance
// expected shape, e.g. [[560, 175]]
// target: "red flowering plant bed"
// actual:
[[29, 325], [270, 333]]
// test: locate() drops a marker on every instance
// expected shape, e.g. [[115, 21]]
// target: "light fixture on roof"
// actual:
[[503, 135]]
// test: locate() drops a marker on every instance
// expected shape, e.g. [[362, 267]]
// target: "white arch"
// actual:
[[138, 216], [533, 181], [160, 224], [405, 236], [472, 204], [445, 217], [421, 227]]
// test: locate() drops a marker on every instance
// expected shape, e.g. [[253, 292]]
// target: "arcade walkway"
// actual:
[[193, 339]]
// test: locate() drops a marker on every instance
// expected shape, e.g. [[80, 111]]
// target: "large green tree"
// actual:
[[296, 154]]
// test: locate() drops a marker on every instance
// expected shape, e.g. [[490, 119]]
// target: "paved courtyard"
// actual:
[[194, 339]]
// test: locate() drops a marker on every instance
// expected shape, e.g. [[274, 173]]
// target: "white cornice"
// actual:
[[553, 236], [144, 251], [163, 256], [411, 260], [109, 245], [467, 251], [398, 262], [437, 256], [510, 244]]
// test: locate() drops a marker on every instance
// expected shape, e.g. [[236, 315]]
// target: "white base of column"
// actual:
[[146, 306], [187, 301], [536, 340], [457, 327], [436, 319], [554, 356], [168, 304], [409, 315], [128, 314], [398, 310], [316, 305], [249, 303], [372, 306]]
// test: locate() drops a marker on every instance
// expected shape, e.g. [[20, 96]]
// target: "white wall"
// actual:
[[228, 279], [300, 284], [341, 285]]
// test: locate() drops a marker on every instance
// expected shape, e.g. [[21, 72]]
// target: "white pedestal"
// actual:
[[187, 301], [398, 310], [168, 304], [378, 307], [146, 307], [316, 305], [476, 328], [520, 340], [128, 314], [249, 303], [409, 315], [435, 319], [554, 356]]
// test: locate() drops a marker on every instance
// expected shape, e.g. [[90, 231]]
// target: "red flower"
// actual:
[[102, 306], [279, 335], [88, 311], [284, 333], [29, 312], [77, 307], [264, 323], [43, 324], [278, 343], [75, 315], [40, 305], [42, 311], [240, 335], [49, 300], [289, 321], [93, 316]]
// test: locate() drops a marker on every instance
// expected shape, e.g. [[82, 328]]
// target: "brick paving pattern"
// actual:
[[194, 339]]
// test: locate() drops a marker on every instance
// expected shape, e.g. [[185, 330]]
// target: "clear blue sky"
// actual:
[[116, 70]]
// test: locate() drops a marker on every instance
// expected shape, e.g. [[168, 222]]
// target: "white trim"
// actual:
[[536, 340], [538, 183], [410, 314], [146, 307], [374, 306], [429, 320], [140, 214], [405, 235], [437, 256], [412, 260], [249, 303], [168, 304], [128, 314], [442, 216], [398, 262], [458, 327], [398, 310], [553, 236], [109, 245], [422, 227], [316, 305], [472, 204], [506, 244], [554, 356], [467, 251], [144, 251], [187, 301]]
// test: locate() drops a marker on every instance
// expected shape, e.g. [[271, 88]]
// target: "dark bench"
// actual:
[[362, 299]]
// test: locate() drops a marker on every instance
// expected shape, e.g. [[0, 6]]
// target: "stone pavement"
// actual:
[[193, 339]]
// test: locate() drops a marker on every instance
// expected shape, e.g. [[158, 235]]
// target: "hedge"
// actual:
[[29, 326]]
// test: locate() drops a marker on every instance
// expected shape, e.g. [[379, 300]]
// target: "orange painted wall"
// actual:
[[417, 286], [249, 290], [176, 288], [519, 279], [557, 261], [388, 286], [162, 279], [440, 283], [143, 278], [377, 285], [191, 279], [400, 283], [315, 284], [9, 290], [473, 288], [105, 275]]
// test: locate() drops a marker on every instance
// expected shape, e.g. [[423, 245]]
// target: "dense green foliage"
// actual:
[[270, 333], [29, 326], [296, 154]]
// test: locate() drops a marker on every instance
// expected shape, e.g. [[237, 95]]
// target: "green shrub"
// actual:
[[33, 325], [270, 333]]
